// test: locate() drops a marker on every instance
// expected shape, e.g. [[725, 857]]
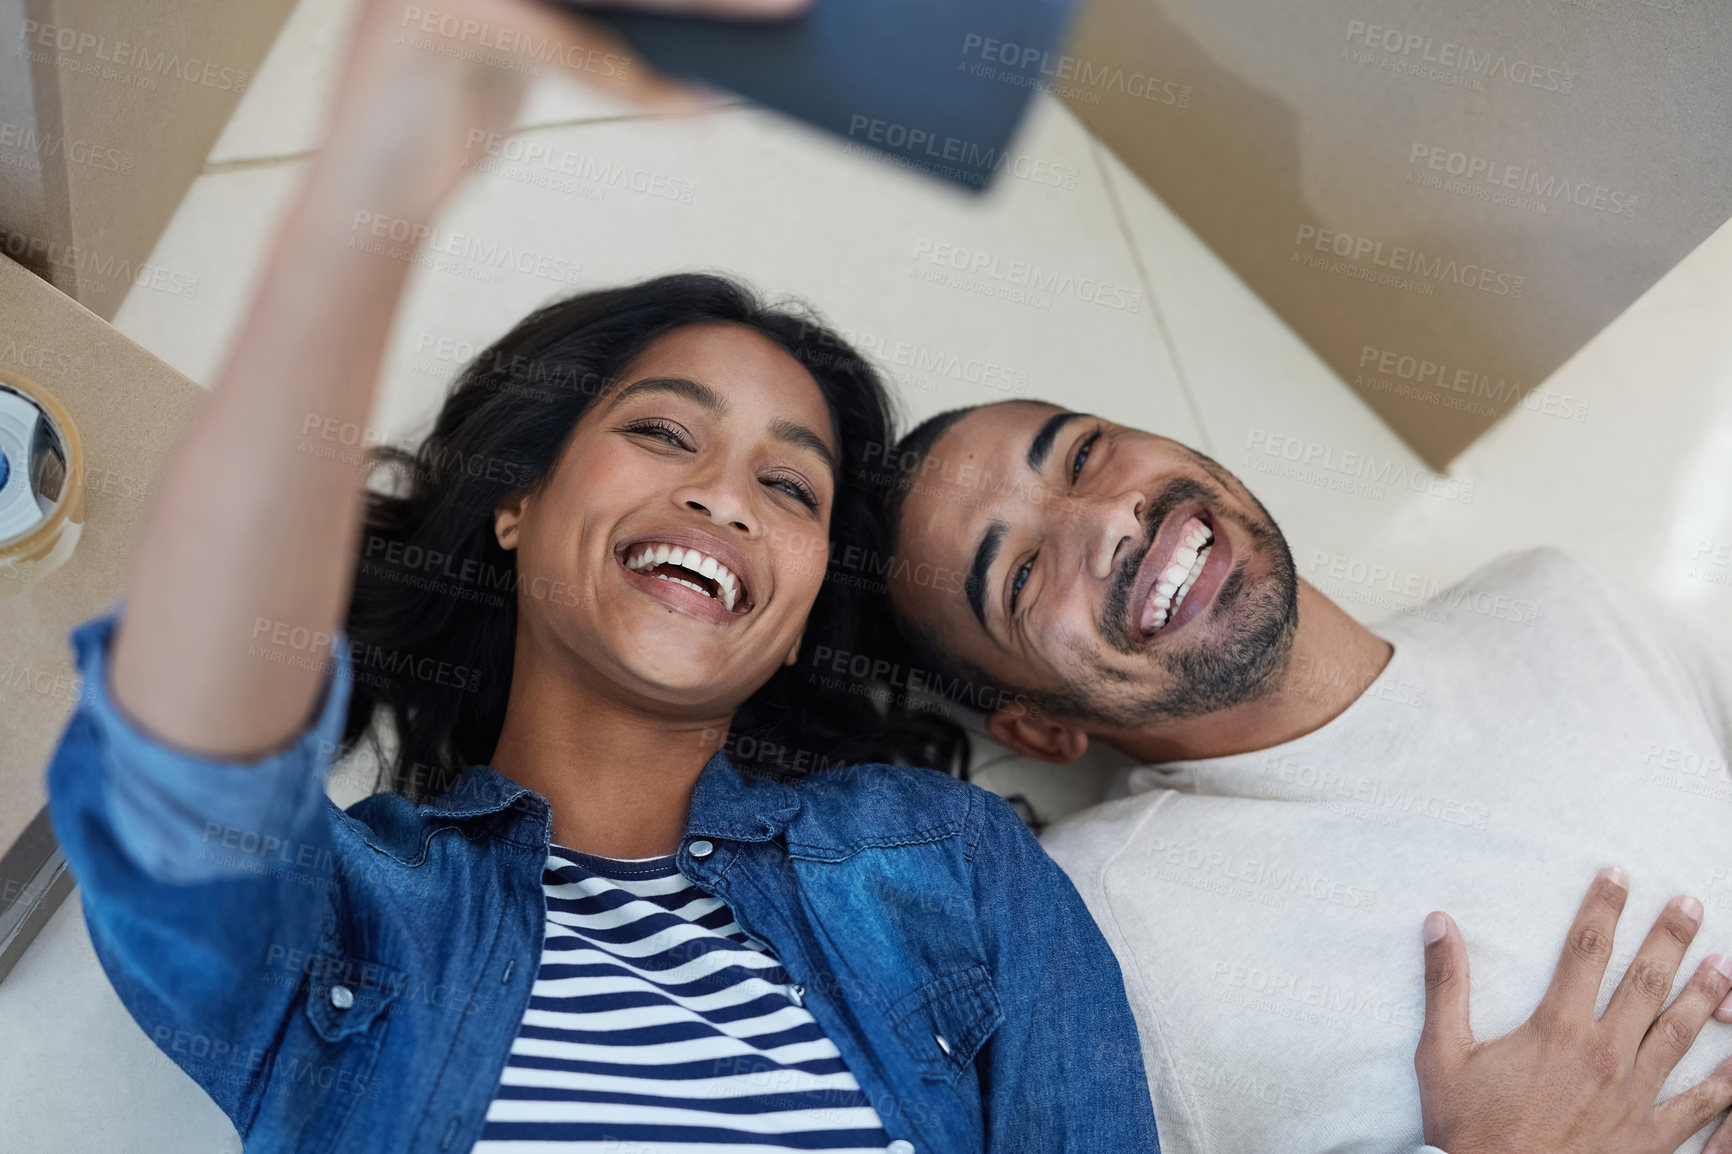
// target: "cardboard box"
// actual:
[[130, 410], [1445, 202], [108, 109]]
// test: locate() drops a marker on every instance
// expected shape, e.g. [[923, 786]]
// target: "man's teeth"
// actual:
[[1180, 574], [690, 559]]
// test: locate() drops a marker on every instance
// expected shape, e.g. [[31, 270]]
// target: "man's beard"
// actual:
[[1239, 661]]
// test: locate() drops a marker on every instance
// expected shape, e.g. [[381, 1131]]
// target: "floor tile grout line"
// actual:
[[248, 163], [245, 163], [1166, 333]]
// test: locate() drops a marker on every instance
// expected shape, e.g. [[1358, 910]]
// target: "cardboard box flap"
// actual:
[[1445, 203], [131, 411]]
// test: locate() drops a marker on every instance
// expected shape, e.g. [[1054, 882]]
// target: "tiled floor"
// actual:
[[1642, 487]]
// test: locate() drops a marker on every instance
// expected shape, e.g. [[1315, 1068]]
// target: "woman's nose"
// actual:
[[721, 510]]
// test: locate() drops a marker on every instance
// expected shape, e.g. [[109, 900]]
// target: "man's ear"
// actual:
[[794, 653], [507, 515], [1042, 738]]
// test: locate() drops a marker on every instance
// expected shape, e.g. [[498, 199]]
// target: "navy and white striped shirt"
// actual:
[[658, 1025]]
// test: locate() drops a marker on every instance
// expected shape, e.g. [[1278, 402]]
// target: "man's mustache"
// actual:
[[1115, 623]]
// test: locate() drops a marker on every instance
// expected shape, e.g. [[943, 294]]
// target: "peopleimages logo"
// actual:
[[925, 143], [1065, 75], [143, 61], [27, 138], [1498, 176], [474, 252], [1372, 471], [1413, 46], [1500, 390], [1401, 259]]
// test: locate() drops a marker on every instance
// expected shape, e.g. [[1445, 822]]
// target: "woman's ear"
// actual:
[[794, 653], [507, 516], [1042, 738]]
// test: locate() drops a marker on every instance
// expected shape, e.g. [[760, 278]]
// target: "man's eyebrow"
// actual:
[[1041, 446], [984, 555], [794, 433], [694, 391]]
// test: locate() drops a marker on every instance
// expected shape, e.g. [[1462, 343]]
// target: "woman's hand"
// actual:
[[424, 81], [1563, 1082]]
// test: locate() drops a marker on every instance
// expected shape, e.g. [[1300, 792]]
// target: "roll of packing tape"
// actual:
[[41, 484]]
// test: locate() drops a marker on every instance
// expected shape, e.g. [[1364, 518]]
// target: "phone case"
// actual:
[[937, 85]]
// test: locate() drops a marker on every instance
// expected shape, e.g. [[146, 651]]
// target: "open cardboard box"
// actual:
[[130, 411], [1444, 201]]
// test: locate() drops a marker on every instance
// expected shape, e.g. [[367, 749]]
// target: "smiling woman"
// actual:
[[597, 906], [643, 387]]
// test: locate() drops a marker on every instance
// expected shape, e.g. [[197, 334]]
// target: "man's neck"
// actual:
[[1333, 660], [619, 780]]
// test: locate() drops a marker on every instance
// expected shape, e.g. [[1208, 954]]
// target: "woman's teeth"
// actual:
[[726, 586], [1180, 574]]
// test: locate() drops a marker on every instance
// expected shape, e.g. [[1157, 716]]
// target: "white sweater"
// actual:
[[1535, 723]]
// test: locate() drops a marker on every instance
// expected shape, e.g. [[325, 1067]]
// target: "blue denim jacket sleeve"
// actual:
[[1065, 1070], [184, 866]]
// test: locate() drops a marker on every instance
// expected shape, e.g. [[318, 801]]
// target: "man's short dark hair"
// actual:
[[908, 463], [908, 460]]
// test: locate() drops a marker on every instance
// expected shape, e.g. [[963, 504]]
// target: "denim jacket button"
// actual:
[[943, 1043], [900, 1146], [702, 849], [342, 997], [798, 993]]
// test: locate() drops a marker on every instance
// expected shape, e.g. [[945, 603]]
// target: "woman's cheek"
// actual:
[[800, 556]]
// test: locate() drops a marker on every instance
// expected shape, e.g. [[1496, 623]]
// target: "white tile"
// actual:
[[283, 111], [79, 1073], [788, 210], [218, 237]]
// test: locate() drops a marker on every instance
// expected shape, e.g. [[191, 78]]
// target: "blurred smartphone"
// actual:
[[939, 85]]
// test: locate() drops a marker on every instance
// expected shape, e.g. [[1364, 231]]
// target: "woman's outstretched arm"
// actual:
[[246, 568]]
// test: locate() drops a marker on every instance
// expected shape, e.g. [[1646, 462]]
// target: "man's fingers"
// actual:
[[1447, 1035], [1582, 964], [1688, 1111], [1677, 1028], [1647, 984]]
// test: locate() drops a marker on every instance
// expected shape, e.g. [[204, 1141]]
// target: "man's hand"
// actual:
[[1562, 1082]]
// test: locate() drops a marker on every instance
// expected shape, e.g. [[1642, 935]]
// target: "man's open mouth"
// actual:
[[1167, 595], [692, 568]]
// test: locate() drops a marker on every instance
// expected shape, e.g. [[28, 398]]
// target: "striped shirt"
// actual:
[[657, 1025]]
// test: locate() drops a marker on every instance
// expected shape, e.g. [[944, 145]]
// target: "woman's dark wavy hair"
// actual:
[[433, 621]]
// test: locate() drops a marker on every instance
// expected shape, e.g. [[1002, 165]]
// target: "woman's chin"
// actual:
[[690, 684]]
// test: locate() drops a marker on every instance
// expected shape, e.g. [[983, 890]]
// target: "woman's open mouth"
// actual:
[[690, 567]]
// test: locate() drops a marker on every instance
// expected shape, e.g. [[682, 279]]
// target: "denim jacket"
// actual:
[[353, 980]]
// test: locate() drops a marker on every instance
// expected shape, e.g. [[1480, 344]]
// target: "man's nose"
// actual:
[[1111, 526]]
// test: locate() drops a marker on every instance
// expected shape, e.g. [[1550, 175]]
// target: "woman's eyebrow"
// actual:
[[794, 433], [695, 391]]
